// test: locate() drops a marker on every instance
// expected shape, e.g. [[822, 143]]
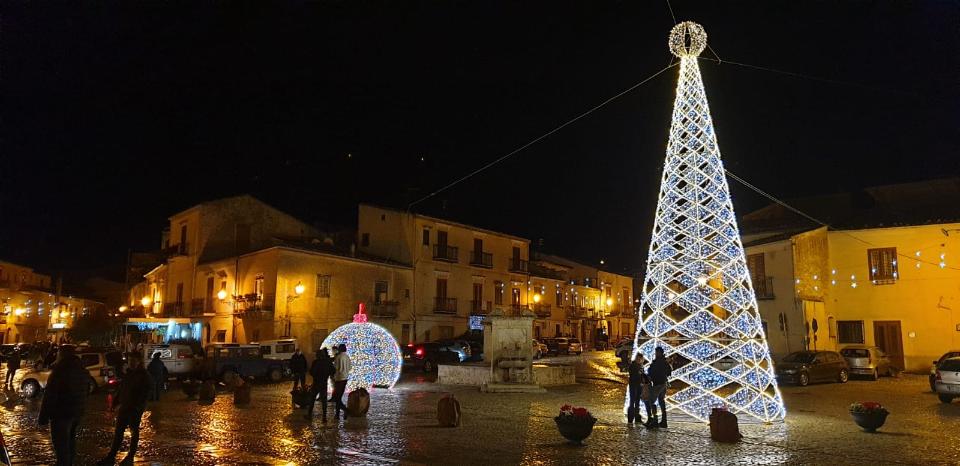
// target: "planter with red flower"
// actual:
[[575, 424], [869, 415]]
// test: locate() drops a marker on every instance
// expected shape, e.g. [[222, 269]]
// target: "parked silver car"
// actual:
[[868, 360], [933, 368], [947, 380]]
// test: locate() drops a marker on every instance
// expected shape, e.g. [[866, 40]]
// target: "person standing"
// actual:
[[659, 373], [158, 373], [13, 364], [298, 365], [341, 365], [63, 403], [320, 371], [132, 398], [639, 386]]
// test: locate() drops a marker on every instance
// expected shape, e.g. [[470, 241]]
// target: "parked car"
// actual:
[[933, 368], [558, 346], [868, 360], [227, 361], [102, 366], [461, 347], [278, 349], [535, 352], [574, 347], [541, 348], [178, 359], [803, 367], [426, 356], [947, 380]]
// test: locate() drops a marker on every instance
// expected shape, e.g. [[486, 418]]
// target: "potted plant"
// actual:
[[869, 415], [575, 424]]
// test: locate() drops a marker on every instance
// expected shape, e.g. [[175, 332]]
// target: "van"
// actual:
[[278, 349], [178, 359]]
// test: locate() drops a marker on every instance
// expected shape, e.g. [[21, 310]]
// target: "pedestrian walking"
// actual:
[[639, 386], [320, 371], [298, 365], [132, 399], [13, 365], [341, 364], [659, 372], [63, 403], [158, 373]]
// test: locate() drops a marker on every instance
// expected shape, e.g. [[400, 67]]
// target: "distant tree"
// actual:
[[95, 329]]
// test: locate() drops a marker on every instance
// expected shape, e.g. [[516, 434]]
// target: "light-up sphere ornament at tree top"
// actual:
[[697, 301], [374, 354]]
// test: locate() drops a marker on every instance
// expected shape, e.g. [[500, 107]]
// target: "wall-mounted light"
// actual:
[[537, 298], [299, 289], [145, 301], [222, 295]]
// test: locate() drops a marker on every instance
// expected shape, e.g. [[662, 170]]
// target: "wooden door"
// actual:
[[886, 335]]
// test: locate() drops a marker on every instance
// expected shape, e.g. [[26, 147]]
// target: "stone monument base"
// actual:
[[494, 387]]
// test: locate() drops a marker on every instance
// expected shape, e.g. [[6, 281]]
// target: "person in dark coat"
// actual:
[[298, 365], [320, 371], [637, 382], [158, 373], [63, 403], [13, 365], [659, 373], [51, 356], [132, 399]]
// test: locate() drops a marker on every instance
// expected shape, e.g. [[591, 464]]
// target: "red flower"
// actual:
[[870, 405], [580, 412], [566, 408]]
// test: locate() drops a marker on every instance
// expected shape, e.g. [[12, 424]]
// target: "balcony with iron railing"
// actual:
[[173, 310], [385, 310], [481, 259], [764, 288], [517, 265], [517, 309], [255, 307], [442, 252], [444, 305], [577, 312], [480, 308], [542, 310]]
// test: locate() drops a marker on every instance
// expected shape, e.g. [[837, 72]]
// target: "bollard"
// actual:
[[358, 402], [208, 390], [724, 427], [448, 411], [241, 394]]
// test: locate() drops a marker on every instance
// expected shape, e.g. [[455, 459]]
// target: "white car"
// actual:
[[178, 359], [278, 349], [97, 364], [947, 381]]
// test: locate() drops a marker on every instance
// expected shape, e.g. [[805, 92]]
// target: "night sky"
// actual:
[[114, 118]]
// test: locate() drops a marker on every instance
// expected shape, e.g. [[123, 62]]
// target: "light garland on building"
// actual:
[[374, 354], [697, 297]]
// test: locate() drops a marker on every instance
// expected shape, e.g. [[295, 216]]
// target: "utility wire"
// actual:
[[671, 12], [539, 138]]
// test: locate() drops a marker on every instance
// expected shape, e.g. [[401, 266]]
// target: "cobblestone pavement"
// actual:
[[510, 428]]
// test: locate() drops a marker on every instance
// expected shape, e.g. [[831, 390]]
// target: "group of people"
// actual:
[[64, 402], [649, 387], [323, 369], [38, 355]]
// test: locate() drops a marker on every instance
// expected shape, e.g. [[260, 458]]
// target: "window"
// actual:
[[208, 302], [883, 265], [441, 287], [323, 286], [258, 286], [183, 240], [221, 336], [317, 337], [405, 334], [380, 292], [426, 237], [758, 275], [515, 296], [179, 293], [365, 239], [850, 331], [497, 292], [559, 297], [265, 350], [446, 331], [406, 292], [286, 348], [256, 334]]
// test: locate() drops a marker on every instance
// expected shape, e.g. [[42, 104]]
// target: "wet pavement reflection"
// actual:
[[401, 428]]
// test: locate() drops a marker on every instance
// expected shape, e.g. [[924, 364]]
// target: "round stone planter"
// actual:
[[575, 430], [190, 388], [870, 422]]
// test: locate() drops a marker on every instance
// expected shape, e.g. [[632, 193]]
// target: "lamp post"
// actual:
[[298, 290]]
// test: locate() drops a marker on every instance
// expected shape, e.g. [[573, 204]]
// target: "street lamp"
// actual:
[[122, 309], [145, 302], [609, 302], [537, 298], [222, 295], [299, 289]]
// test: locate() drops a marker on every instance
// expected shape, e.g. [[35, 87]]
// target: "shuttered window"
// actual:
[[883, 265]]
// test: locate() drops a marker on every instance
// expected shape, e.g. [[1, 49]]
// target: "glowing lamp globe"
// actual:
[[374, 354]]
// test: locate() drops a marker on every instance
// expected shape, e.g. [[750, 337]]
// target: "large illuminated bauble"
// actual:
[[375, 357], [687, 39]]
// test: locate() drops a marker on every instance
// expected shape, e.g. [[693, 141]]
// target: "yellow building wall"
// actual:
[[925, 299]]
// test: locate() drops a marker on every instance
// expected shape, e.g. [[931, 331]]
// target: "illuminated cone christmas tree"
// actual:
[[697, 301]]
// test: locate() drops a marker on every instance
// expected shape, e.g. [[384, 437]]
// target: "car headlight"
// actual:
[[789, 371]]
